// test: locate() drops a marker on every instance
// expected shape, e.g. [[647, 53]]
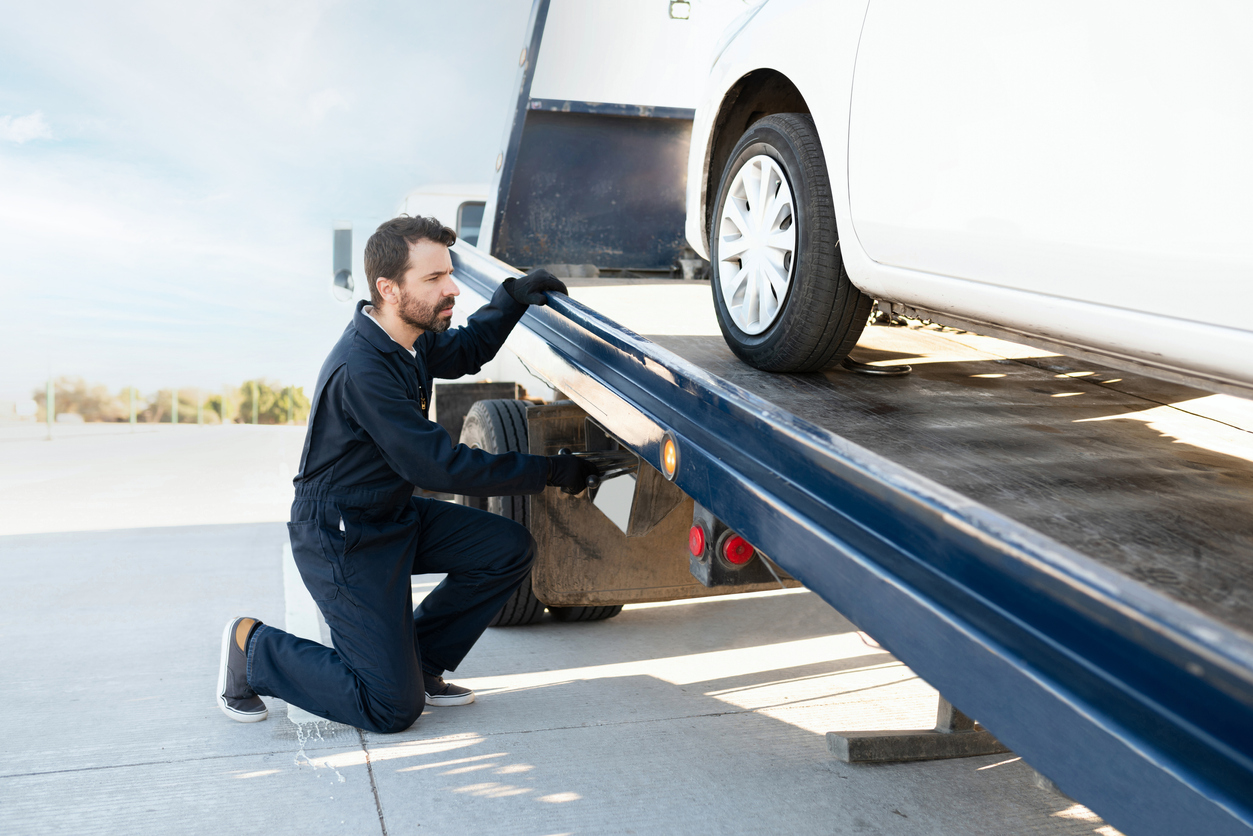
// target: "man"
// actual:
[[358, 533]]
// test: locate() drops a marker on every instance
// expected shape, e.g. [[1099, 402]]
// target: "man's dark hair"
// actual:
[[387, 251]]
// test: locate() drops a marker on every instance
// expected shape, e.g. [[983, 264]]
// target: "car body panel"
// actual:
[[799, 40], [1073, 172]]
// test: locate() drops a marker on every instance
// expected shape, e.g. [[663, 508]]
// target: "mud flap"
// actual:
[[583, 557]]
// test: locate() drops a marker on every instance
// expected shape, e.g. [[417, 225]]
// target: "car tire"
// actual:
[[784, 300], [500, 427]]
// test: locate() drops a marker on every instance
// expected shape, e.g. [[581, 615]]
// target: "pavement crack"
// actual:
[[166, 762], [729, 713], [369, 767]]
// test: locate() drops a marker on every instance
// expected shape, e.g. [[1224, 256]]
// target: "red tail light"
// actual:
[[737, 550], [696, 541]]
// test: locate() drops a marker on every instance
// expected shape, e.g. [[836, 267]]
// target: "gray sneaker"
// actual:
[[235, 696], [439, 692]]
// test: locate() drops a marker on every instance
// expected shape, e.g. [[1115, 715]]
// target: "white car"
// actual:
[[1075, 175]]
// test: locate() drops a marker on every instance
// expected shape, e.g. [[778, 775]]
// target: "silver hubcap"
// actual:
[[756, 244]]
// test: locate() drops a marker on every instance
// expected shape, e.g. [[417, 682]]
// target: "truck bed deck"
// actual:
[[1152, 479], [1122, 472]]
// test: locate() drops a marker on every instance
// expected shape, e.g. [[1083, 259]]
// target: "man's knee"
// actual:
[[391, 719], [521, 549], [513, 548], [400, 722], [393, 695]]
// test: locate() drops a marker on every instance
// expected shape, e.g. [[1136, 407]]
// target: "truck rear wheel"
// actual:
[[500, 427], [584, 613], [783, 299]]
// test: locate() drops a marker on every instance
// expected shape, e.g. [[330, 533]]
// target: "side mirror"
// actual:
[[342, 285]]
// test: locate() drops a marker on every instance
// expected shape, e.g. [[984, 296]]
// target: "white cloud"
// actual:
[[21, 129], [324, 101]]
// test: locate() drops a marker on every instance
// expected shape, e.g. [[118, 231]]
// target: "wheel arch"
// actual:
[[755, 95]]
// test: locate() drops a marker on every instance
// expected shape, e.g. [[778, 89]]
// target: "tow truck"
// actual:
[[1062, 549]]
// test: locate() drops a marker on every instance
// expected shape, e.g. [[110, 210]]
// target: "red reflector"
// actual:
[[737, 550], [696, 541]]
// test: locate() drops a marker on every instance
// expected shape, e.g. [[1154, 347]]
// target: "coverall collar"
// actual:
[[374, 334]]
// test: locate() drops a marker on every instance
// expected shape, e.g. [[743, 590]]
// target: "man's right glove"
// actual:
[[569, 472], [530, 289]]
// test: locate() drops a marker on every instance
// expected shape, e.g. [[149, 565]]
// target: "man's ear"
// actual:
[[387, 291]]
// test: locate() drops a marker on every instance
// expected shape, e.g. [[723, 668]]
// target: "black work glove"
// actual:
[[569, 472], [529, 290]]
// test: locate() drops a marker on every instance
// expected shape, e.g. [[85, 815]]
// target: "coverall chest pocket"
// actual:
[[312, 551]]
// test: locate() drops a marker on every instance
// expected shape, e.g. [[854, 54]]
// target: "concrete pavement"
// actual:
[[689, 717]]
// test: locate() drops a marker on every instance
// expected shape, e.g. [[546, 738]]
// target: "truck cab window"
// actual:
[[469, 221]]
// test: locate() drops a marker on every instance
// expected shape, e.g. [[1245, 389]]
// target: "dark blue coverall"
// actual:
[[358, 533]]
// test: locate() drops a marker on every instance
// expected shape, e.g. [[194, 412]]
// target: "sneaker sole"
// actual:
[[238, 716], [460, 699]]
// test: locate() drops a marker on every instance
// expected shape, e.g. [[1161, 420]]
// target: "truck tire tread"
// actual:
[[500, 427], [585, 613]]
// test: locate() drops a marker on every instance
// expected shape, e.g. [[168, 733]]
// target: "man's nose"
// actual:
[[450, 288]]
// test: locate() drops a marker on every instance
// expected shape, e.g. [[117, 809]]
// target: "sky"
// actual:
[[170, 172]]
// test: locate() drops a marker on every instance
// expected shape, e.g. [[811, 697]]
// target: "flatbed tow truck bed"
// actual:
[[1149, 478], [1137, 474], [1062, 550]]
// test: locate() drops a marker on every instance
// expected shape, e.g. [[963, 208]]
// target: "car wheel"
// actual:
[[783, 299]]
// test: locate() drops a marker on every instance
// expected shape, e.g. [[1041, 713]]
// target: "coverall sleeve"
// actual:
[[464, 350], [422, 453]]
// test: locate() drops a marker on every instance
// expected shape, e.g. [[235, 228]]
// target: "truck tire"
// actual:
[[500, 427], [584, 613], [783, 299]]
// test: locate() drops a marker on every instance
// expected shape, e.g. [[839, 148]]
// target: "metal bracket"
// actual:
[[955, 736]]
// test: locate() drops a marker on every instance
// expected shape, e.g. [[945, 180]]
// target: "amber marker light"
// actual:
[[669, 457]]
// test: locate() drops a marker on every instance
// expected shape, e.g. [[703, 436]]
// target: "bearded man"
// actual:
[[357, 530]]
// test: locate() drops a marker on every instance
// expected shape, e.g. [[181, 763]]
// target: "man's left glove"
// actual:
[[529, 290], [570, 472]]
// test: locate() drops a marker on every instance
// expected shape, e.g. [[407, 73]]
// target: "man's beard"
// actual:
[[426, 317]]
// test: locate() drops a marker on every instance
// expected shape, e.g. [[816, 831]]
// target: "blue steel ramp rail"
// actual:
[[1133, 704]]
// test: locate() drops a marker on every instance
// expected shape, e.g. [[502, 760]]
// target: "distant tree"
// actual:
[[196, 399], [156, 408], [294, 397], [213, 409], [93, 402], [274, 403]]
